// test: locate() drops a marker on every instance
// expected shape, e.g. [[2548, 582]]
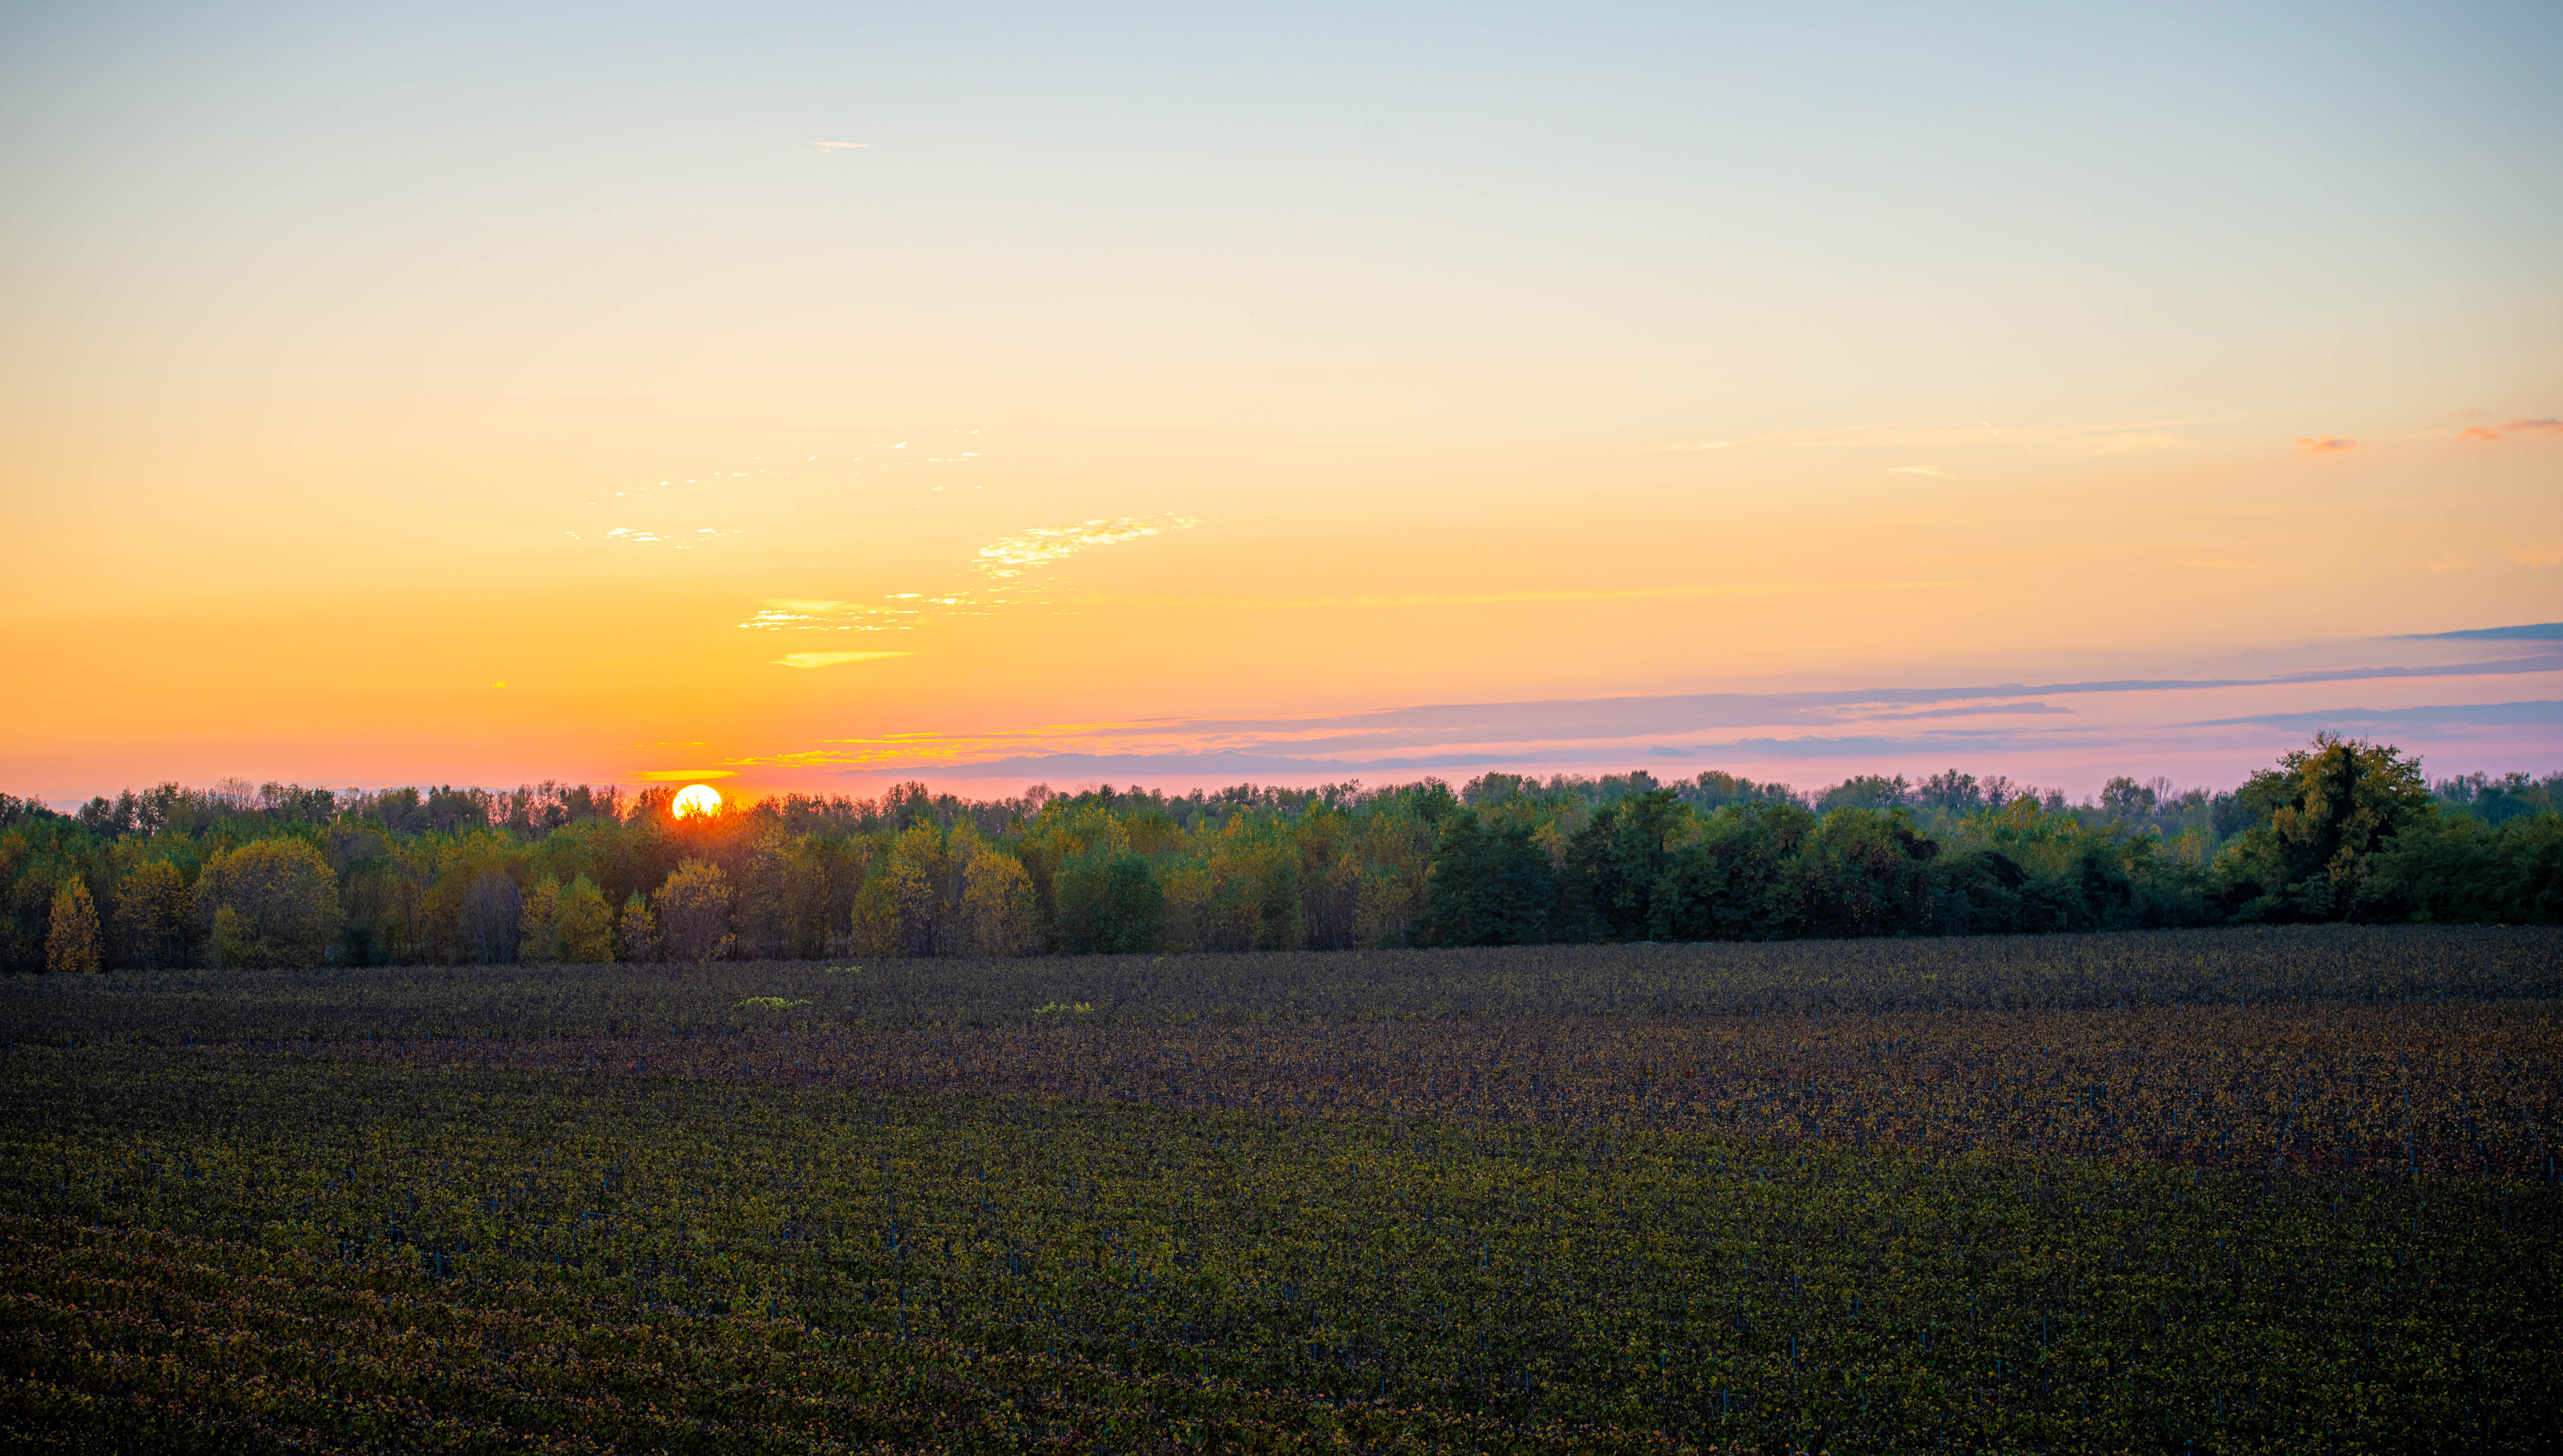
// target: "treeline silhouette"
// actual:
[[279, 876]]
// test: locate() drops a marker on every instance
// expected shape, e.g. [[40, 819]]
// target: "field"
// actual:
[[2223, 1190]]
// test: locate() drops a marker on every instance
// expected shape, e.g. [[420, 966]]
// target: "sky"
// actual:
[[811, 398]]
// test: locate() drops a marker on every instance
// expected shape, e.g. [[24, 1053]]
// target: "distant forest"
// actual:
[[278, 875]]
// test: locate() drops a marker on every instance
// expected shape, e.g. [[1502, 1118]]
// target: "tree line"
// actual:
[[278, 875]]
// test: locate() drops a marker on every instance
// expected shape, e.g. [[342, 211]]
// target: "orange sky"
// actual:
[[1156, 401]]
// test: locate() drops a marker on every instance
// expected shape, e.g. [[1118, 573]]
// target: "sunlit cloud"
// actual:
[[2477, 432], [831, 660], [830, 146], [1008, 569], [663, 776], [1698, 444], [1009, 558], [2325, 445], [1917, 470], [2452, 563], [2546, 554]]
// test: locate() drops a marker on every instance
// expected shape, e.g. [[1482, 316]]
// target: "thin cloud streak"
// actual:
[[1485, 598], [1588, 731], [2400, 720], [2548, 426], [832, 659]]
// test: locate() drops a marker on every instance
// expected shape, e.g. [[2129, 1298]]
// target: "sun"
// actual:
[[698, 800]]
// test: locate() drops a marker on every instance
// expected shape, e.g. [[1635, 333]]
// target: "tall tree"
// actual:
[[2322, 817], [71, 940], [150, 916], [583, 926], [693, 911], [636, 933], [280, 901]]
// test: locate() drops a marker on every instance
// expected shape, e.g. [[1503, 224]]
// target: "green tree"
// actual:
[[71, 935], [1489, 884], [1110, 904], [1727, 883], [1616, 862], [2320, 817], [1860, 874], [2441, 866]]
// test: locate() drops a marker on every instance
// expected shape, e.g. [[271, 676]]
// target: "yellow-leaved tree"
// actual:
[[583, 926], [269, 903], [997, 915], [150, 919], [70, 936], [538, 923]]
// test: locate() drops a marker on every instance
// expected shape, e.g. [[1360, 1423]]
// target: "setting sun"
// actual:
[[697, 799]]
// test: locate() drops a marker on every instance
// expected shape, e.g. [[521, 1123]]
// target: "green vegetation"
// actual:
[[2252, 1189], [285, 876]]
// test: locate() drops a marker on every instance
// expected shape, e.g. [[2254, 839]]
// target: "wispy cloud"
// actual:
[[1488, 598], [2325, 445], [680, 776], [2531, 631], [2546, 554], [1008, 558], [1698, 444], [1897, 723], [832, 659], [1916, 471], [830, 146], [2509, 427], [1006, 567], [2400, 720]]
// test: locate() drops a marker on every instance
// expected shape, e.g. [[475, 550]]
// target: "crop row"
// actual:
[[2338, 963], [167, 1342], [1749, 1295], [2470, 1090]]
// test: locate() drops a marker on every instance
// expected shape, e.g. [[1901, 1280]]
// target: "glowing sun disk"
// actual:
[[697, 799]]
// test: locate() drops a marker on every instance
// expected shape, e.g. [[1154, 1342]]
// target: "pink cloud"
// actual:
[[2546, 425], [2324, 444]]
